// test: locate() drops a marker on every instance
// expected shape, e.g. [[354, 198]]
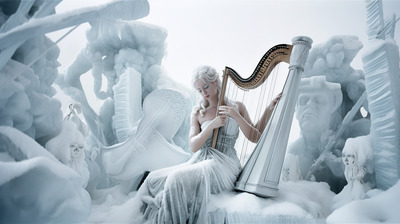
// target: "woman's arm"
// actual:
[[250, 130], [198, 137], [243, 119], [262, 122]]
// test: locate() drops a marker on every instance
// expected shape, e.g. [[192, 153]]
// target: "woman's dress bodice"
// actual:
[[226, 140]]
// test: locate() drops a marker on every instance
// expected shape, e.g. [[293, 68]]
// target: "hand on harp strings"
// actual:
[[262, 122], [215, 110], [259, 81], [239, 111]]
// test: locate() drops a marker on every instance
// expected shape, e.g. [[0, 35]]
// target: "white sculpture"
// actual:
[[164, 113], [68, 148], [35, 187], [353, 171], [318, 100], [75, 109], [291, 170], [381, 66], [357, 157]]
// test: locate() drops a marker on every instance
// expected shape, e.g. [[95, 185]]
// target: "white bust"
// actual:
[[318, 100]]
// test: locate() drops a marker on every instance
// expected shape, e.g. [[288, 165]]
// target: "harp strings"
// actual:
[[256, 102]]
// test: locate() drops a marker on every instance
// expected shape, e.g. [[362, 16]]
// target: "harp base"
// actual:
[[258, 189]]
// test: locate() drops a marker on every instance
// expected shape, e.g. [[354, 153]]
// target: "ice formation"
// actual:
[[164, 112], [318, 100], [357, 157], [370, 210], [27, 96], [382, 78], [37, 186], [128, 54]]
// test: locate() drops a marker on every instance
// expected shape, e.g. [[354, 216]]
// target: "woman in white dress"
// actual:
[[179, 194]]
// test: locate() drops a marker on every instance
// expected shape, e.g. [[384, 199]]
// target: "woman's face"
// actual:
[[207, 90]]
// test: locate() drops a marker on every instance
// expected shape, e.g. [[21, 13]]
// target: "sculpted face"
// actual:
[[76, 150], [318, 100], [349, 159], [314, 110]]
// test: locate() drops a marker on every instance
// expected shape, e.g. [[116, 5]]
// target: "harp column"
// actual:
[[262, 172]]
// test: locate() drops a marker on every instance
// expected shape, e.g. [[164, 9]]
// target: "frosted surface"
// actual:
[[51, 172]]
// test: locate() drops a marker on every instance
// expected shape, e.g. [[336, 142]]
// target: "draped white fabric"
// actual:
[[179, 194]]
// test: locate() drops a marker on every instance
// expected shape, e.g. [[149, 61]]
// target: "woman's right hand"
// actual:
[[218, 121]]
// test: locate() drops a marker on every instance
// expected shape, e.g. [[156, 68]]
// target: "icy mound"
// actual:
[[34, 186], [297, 202]]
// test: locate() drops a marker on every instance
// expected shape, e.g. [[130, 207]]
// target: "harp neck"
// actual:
[[274, 56]]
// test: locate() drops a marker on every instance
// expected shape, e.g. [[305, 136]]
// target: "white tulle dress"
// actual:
[[180, 194]]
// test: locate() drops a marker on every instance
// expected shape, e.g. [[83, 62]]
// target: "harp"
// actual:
[[261, 173]]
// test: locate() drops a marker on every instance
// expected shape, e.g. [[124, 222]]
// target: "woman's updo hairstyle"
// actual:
[[207, 74]]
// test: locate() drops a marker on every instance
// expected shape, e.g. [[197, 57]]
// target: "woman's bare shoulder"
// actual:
[[195, 116]]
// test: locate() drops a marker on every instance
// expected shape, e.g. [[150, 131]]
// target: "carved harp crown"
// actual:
[[261, 173]]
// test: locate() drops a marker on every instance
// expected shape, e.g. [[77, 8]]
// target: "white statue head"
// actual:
[[350, 159], [76, 150], [68, 146], [358, 151], [318, 100]]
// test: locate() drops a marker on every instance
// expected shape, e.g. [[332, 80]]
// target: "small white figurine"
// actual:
[[356, 156], [291, 170], [68, 148], [354, 174]]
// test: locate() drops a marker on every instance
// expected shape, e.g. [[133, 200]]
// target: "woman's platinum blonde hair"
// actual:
[[208, 75]]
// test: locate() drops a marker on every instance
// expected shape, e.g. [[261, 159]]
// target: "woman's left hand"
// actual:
[[275, 101]]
